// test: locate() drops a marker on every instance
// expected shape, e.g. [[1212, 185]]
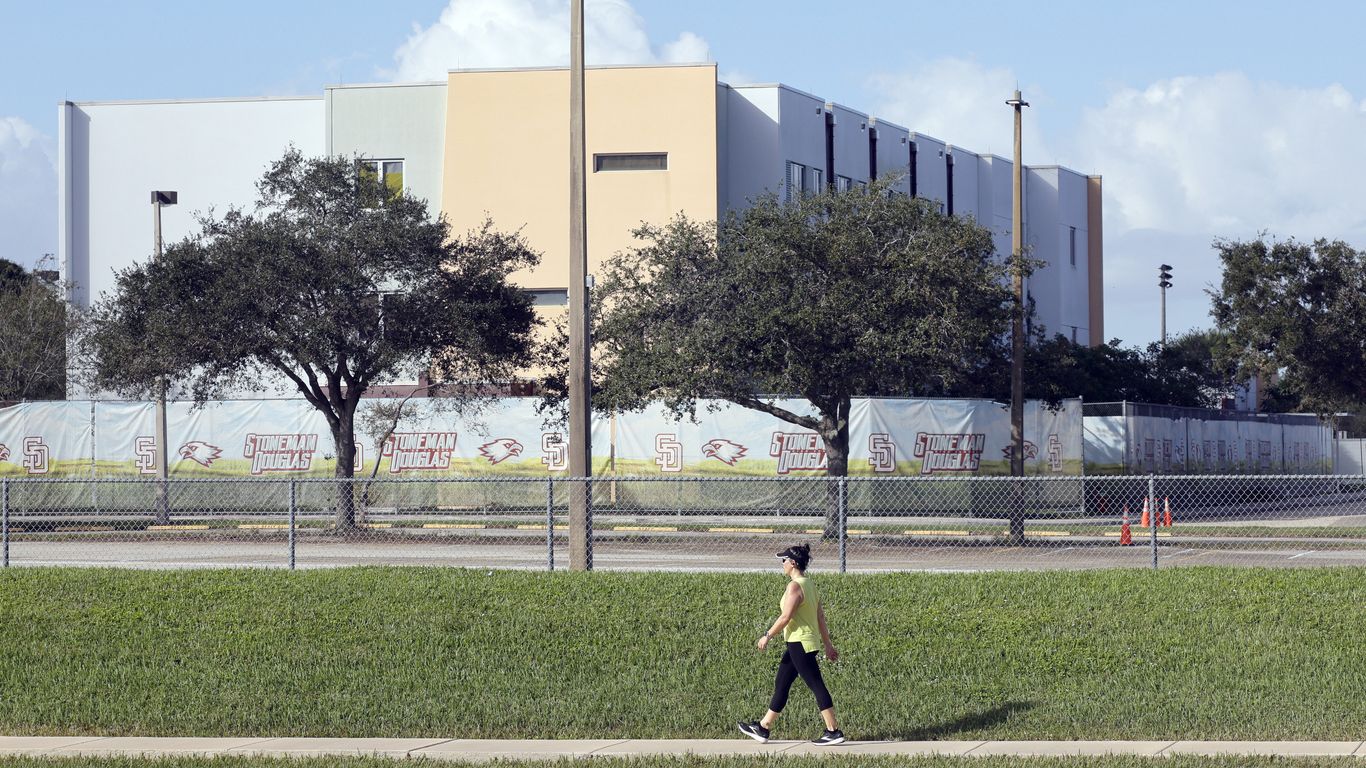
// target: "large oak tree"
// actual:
[[1296, 311], [826, 298], [333, 284]]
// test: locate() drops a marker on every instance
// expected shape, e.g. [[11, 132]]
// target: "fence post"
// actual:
[[588, 522], [843, 506], [550, 523], [293, 514], [1152, 517], [4, 520]]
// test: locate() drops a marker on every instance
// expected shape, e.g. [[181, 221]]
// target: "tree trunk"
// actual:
[[834, 431], [344, 436]]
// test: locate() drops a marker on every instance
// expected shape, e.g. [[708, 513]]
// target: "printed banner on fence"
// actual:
[[273, 438], [50, 439], [961, 437], [282, 438], [1154, 444], [730, 440]]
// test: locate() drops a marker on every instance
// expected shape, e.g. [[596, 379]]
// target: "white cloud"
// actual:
[[1224, 154], [1185, 160], [687, 49], [961, 102], [1190, 159], [526, 33], [28, 192]]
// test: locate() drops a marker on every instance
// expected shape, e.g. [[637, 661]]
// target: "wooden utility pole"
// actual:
[[580, 385]]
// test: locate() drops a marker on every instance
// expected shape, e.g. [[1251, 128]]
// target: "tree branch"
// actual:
[[756, 404]]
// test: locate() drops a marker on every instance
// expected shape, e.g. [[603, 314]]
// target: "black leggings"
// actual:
[[796, 661]]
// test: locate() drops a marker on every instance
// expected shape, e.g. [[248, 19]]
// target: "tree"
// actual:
[[334, 283], [1297, 310], [34, 325], [1188, 372], [1197, 366], [833, 296]]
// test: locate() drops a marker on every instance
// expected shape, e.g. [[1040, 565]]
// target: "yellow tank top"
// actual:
[[805, 627]]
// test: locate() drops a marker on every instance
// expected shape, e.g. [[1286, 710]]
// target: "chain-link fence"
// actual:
[[689, 523]]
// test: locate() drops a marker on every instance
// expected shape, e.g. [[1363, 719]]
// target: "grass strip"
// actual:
[[1193, 653], [695, 761]]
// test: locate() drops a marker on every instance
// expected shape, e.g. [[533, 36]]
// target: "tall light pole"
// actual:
[[1017, 330], [163, 511], [580, 385], [1164, 281]]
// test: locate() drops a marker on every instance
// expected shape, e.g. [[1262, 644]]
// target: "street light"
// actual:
[[1164, 281], [163, 514]]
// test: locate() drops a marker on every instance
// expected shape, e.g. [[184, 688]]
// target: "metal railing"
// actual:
[[858, 524]]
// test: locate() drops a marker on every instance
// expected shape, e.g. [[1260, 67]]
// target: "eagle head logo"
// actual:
[[1031, 451], [500, 450], [4, 452], [200, 452], [724, 451]]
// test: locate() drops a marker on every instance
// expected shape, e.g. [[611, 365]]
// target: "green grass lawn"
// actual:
[[692, 761], [1124, 654]]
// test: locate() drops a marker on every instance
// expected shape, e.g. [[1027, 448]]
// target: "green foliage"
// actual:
[[335, 283], [1185, 373], [1297, 310], [13, 277], [1189, 653], [35, 323], [858, 293]]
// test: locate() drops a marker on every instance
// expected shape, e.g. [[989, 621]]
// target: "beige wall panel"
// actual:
[[507, 155]]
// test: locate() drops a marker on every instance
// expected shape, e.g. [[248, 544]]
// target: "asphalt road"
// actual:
[[627, 551]]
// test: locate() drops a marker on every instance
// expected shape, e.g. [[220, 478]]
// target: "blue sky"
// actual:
[[1207, 119]]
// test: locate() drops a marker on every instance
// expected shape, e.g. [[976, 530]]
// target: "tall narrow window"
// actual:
[[1072, 245], [817, 180], [948, 174], [872, 153], [796, 181], [914, 177], [639, 161], [830, 145]]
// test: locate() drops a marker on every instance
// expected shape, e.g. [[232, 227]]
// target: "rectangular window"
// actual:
[[640, 161], [817, 181], [842, 183], [796, 181], [1072, 245], [549, 297], [388, 171]]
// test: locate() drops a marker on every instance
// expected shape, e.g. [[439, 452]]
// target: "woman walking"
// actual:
[[802, 625]]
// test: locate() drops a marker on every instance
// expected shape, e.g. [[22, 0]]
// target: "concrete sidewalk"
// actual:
[[480, 750]]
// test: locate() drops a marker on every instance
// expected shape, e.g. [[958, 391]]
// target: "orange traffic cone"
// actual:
[[1125, 537], [1146, 520], [1167, 512]]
